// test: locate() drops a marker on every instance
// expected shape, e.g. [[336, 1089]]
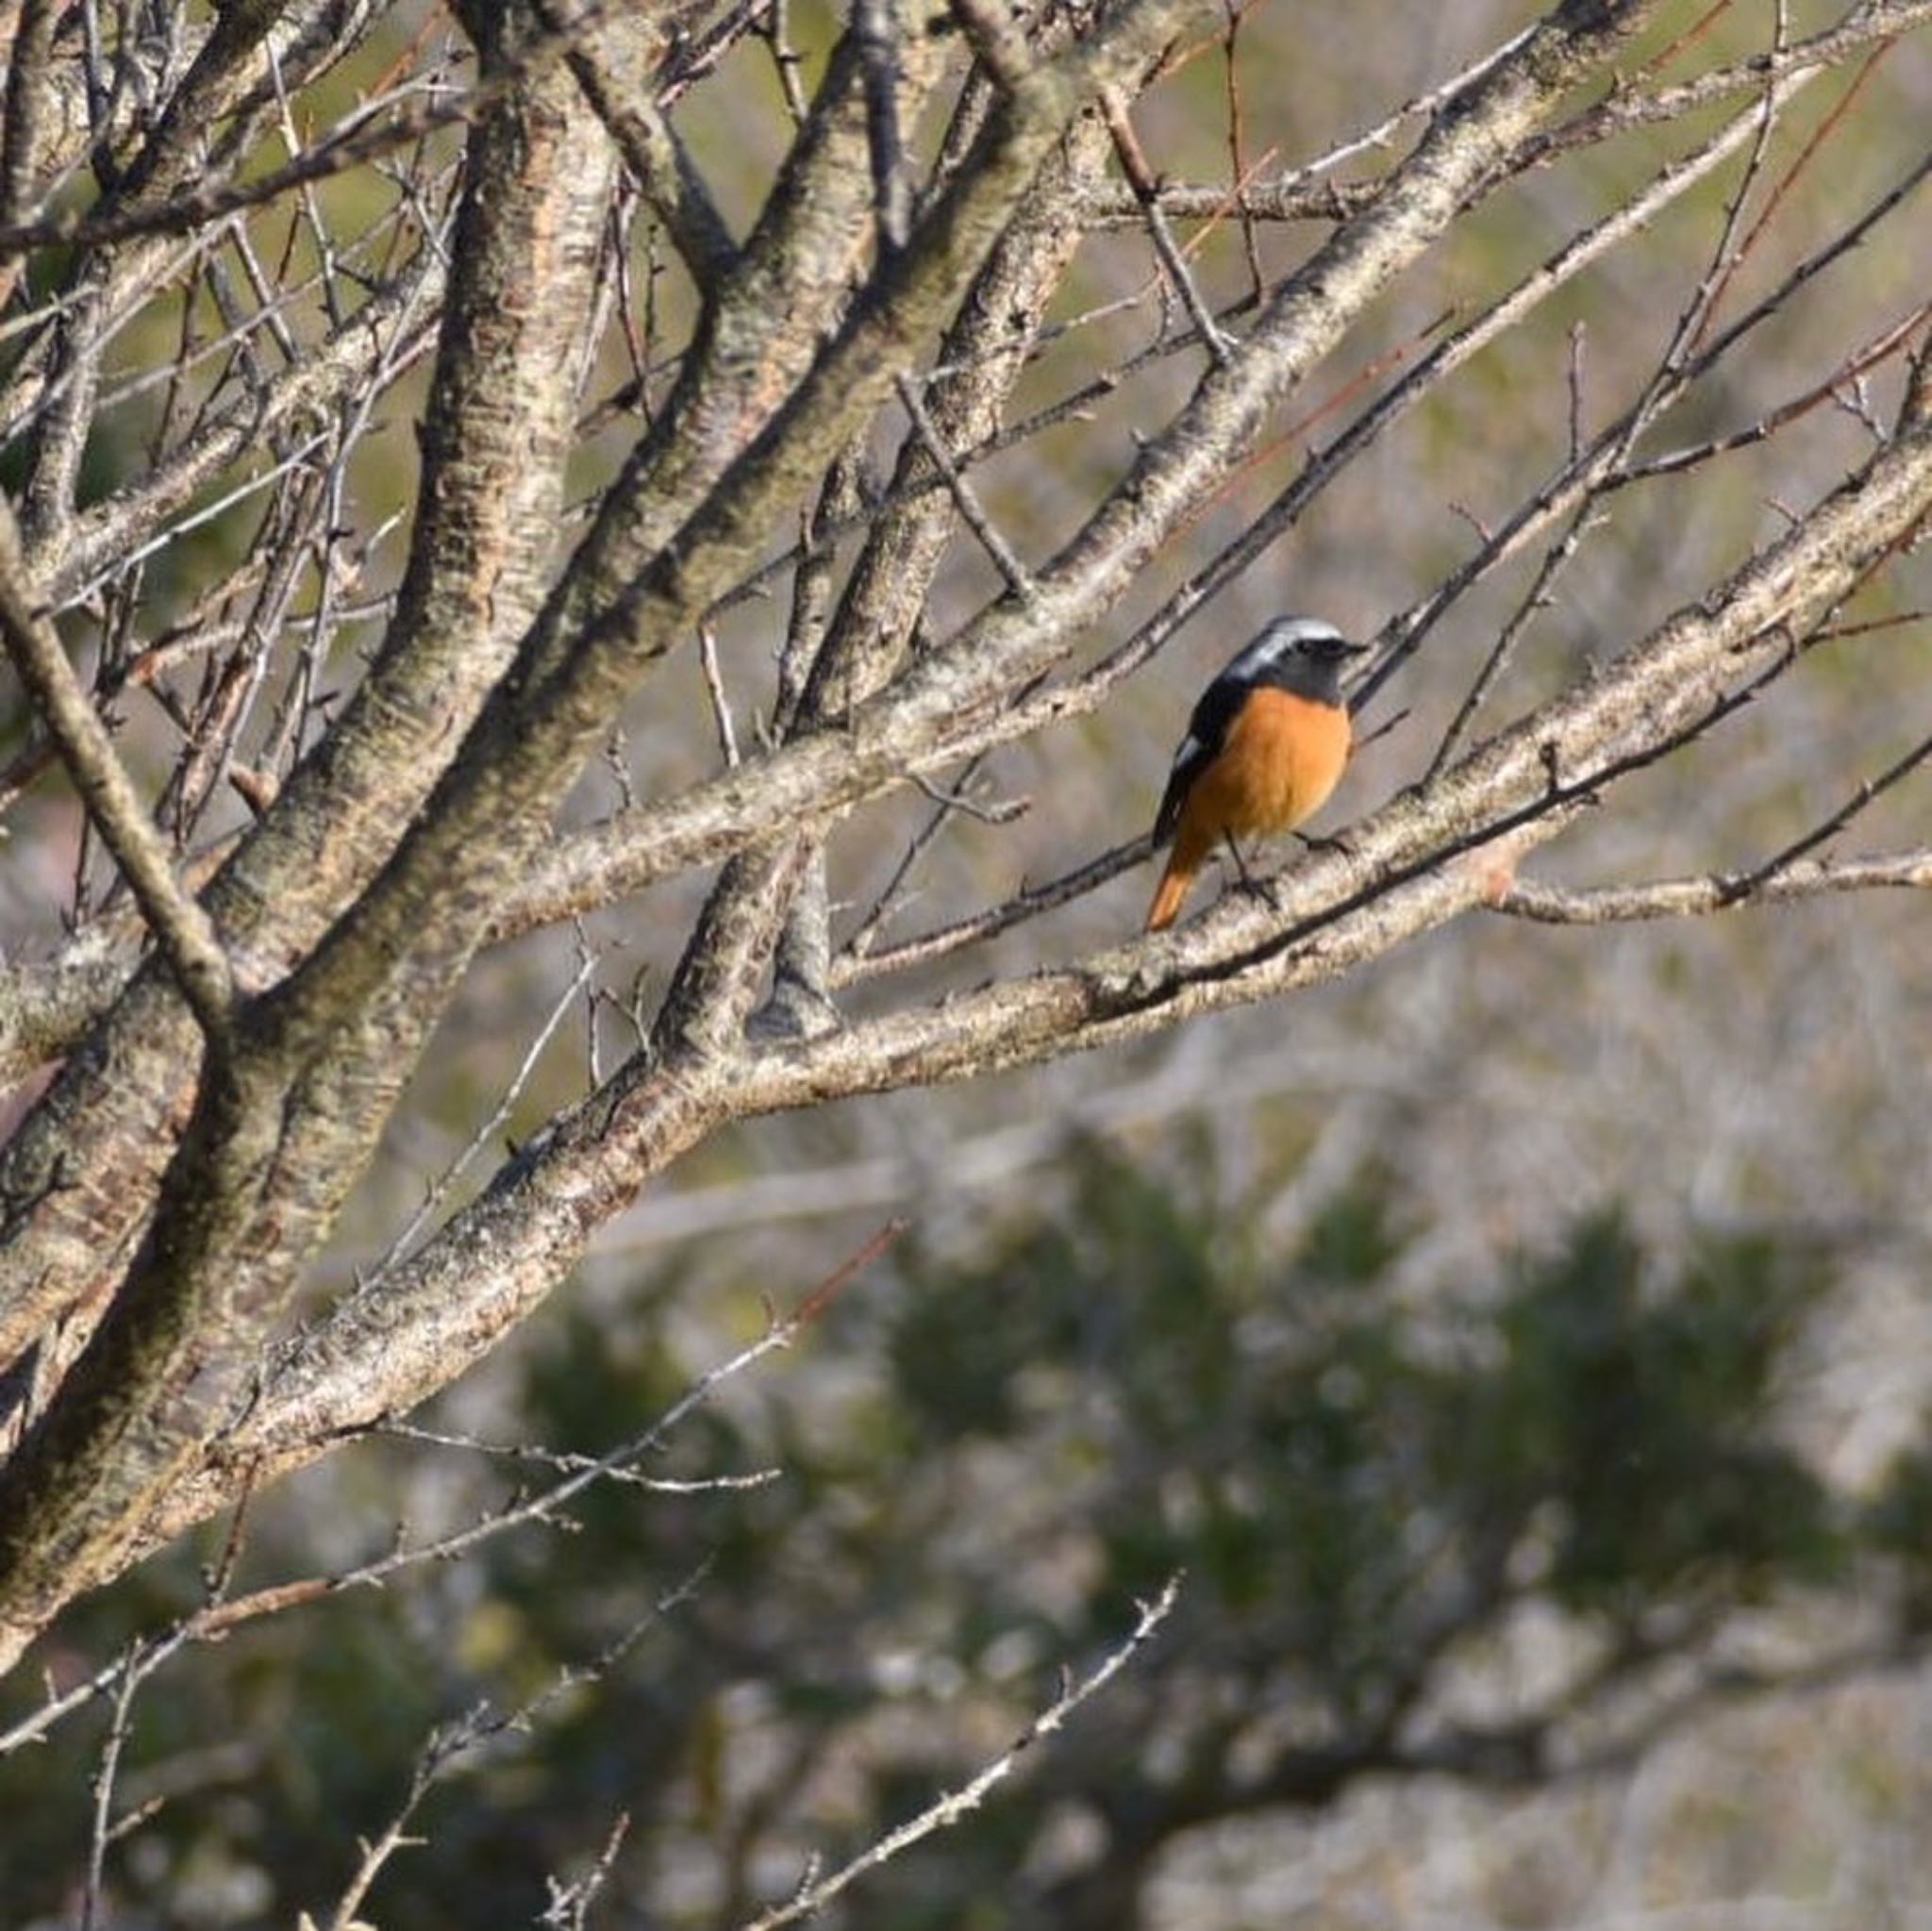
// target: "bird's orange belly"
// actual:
[[1282, 759]]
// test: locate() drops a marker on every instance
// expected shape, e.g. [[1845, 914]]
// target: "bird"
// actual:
[[1264, 748]]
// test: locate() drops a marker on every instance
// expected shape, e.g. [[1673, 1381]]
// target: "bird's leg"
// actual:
[[1256, 888]]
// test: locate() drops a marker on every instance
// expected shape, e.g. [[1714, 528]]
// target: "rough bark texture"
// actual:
[[155, 1229], [499, 432]]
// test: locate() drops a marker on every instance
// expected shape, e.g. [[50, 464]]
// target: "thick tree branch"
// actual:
[[958, 699], [525, 252], [761, 399], [326, 1052], [1336, 912], [32, 103], [339, 818], [611, 60], [493, 463]]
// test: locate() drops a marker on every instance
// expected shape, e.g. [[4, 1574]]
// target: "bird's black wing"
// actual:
[[1207, 730]]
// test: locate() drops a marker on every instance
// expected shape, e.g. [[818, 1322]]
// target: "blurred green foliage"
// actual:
[[981, 1468]]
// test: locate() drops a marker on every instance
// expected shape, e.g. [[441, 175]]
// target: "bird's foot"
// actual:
[[1251, 886], [1334, 843], [1247, 882]]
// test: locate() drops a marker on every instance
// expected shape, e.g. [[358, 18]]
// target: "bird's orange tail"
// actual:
[[1169, 895]]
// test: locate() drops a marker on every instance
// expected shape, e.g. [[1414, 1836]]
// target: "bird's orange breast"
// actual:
[[1283, 757]]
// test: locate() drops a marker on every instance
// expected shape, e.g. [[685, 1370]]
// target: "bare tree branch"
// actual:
[[182, 929], [423, 676], [814, 1891], [1678, 898]]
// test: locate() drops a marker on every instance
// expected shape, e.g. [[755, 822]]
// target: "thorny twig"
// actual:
[[451, 1742], [219, 1615], [816, 1892]]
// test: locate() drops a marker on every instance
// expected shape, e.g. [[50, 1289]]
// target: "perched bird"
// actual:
[[1264, 748]]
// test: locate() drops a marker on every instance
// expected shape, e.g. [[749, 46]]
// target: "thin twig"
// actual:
[[570, 1464], [1780, 192], [221, 1615], [1003, 812], [105, 1773], [1140, 178], [138, 1664], [893, 895], [439, 1190], [775, 31], [720, 704], [815, 1892], [1610, 461], [451, 1743], [543, 1507], [1683, 898], [570, 1903], [1236, 150], [964, 497], [1834, 823], [856, 963], [1891, 341], [183, 930]]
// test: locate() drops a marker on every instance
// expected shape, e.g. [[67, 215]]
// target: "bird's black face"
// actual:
[[1301, 654], [1328, 647]]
